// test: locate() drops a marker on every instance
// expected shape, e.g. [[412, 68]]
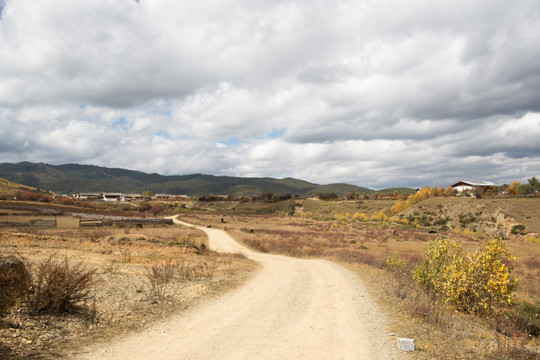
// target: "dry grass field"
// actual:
[[142, 275], [127, 297], [440, 331]]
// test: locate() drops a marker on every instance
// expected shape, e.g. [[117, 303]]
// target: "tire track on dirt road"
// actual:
[[289, 309]]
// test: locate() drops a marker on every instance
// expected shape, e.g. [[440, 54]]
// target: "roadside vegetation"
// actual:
[[450, 270], [65, 287]]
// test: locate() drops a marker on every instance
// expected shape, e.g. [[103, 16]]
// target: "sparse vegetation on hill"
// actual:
[[9, 189], [74, 178]]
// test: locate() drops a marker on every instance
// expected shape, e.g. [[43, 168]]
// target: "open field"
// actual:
[[364, 246], [126, 296], [289, 309], [319, 229]]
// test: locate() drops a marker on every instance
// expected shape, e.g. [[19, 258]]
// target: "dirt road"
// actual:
[[290, 309]]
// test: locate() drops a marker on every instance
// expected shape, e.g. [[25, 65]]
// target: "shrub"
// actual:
[[534, 240], [33, 196], [399, 267], [14, 278], [518, 229], [159, 277], [526, 317], [156, 209], [328, 196], [143, 207], [56, 287], [478, 283]]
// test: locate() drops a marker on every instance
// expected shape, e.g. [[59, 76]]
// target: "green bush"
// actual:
[[517, 229], [478, 282], [527, 317]]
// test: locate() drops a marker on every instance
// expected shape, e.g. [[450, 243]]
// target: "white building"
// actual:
[[469, 187]]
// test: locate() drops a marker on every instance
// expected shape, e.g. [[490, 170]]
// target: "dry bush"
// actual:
[[159, 277], [532, 264], [188, 272], [14, 278], [355, 256], [402, 283], [58, 287]]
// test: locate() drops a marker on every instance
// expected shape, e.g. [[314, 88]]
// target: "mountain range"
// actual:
[[75, 178]]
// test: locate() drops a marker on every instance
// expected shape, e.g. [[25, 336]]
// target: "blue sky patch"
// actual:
[[276, 134], [231, 141], [163, 134], [121, 123]]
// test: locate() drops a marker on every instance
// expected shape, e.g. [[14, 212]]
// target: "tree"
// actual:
[[291, 208], [513, 189], [535, 183], [147, 194], [143, 207], [156, 209]]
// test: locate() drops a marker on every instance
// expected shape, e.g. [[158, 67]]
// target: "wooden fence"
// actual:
[[137, 222], [41, 223]]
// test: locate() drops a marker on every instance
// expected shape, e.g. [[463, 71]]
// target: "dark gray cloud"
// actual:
[[373, 93]]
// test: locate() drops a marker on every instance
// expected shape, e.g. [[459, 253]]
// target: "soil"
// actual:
[[492, 215], [123, 300], [291, 308]]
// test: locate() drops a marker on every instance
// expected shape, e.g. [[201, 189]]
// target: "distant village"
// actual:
[[125, 197], [461, 188]]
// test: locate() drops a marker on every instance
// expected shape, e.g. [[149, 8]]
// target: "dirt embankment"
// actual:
[[493, 216]]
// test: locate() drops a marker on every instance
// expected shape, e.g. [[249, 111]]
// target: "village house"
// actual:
[[472, 187], [87, 196]]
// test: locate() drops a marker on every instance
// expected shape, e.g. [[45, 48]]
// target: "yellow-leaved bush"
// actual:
[[479, 282]]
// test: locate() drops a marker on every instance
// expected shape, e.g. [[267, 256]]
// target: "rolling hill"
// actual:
[[74, 178], [9, 189]]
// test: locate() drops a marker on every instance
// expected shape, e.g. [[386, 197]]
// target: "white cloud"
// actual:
[[373, 93]]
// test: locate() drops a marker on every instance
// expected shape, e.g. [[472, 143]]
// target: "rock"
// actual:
[[405, 344], [13, 324]]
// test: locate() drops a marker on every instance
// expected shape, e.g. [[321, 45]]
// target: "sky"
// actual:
[[377, 93]]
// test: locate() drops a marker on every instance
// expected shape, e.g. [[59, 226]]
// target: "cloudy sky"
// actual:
[[371, 92]]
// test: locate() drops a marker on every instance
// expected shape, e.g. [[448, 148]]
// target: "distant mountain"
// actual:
[[401, 190], [74, 178]]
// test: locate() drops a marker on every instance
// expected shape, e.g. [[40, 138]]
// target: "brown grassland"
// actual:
[[131, 261], [331, 231], [142, 275]]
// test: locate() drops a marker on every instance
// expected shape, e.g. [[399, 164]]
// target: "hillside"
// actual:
[[493, 216], [74, 178], [8, 189]]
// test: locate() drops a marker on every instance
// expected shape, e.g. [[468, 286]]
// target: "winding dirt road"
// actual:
[[290, 309]]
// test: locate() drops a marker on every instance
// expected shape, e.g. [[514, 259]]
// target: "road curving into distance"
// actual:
[[289, 309]]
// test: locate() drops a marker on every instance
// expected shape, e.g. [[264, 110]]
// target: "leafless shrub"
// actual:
[[126, 255], [207, 269], [95, 235], [188, 272], [57, 287], [159, 277]]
